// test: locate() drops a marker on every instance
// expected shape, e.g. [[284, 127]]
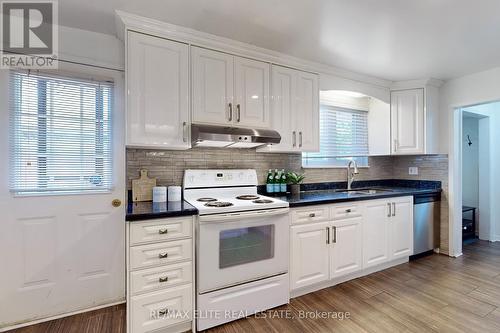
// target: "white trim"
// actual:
[[127, 21], [38, 321], [414, 84]]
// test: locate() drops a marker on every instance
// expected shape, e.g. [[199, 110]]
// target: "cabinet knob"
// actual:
[[163, 255], [163, 279], [312, 215], [163, 231], [116, 203], [348, 210]]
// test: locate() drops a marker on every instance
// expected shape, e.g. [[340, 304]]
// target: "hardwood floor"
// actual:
[[432, 294]]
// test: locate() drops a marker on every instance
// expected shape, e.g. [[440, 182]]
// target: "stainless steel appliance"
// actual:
[[232, 137], [242, 246], [426, 223]]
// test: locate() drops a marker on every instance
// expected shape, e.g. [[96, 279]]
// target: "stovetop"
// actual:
[[225, 191], [225, 200]]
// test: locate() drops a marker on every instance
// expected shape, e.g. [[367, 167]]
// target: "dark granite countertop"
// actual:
[[307, 198], [326, 193], [148, 210], [311, 194]]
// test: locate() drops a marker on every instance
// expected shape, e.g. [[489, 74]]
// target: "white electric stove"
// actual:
[[242, 245]]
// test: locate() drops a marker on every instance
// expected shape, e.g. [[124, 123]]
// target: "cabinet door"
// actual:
[[283, 81], [307, 112], [376, 233], [346, 251], [212, 74], [309, 254], [252, 93], [407, 121], [158, 92], [401, 228]]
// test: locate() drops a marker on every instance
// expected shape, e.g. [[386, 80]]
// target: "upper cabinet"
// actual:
[[407, 121], [229, 90], [157, 92], [294, 110], [414, 118], [213, 86]]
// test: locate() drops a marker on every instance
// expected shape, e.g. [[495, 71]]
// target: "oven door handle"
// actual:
[[240, 215]]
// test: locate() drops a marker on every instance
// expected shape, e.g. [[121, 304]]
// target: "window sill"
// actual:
[[54, 194], [332, 167]]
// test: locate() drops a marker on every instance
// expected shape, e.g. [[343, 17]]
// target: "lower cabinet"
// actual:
[[348, 239], [309, 254], [160, 275], [388, 232], [346, 250]]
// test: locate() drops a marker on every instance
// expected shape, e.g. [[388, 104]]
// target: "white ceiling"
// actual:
[[390, 39]]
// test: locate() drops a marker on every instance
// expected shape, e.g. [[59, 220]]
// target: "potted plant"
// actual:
[[295, 179]]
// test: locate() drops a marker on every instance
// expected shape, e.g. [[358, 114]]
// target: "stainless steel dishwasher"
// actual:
[[426, 223]]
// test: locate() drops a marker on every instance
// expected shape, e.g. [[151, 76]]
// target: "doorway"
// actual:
[[478, 160]]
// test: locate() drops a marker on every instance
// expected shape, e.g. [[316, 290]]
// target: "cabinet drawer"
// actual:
[[310, 214], [345, 211], [160, 230], [151, 279], [160, 309], [156, 254]]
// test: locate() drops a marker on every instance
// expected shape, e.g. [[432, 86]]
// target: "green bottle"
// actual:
[[277, 181], [283, 181], [270, 182]]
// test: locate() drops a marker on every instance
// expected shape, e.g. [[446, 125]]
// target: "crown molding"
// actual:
[[127, 21], [413, 84]]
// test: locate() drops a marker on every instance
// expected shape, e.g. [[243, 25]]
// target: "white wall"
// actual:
[[464, 91], [470, 162], [379, 127]]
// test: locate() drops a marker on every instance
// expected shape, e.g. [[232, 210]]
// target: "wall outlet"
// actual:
[[413, 171]]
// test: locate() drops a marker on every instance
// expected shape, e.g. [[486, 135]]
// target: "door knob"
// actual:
[[116, 203]]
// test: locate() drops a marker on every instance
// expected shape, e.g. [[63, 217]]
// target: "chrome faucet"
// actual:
[[350, 175]]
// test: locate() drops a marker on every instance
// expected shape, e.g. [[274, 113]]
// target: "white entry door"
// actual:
[[61, 253]]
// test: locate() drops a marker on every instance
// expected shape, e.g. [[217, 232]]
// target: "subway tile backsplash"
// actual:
[[168, 167]]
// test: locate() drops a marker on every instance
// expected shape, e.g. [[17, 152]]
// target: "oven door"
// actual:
[[240, 247]]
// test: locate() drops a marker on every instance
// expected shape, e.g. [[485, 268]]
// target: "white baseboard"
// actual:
[[333, 282], [67, 314]]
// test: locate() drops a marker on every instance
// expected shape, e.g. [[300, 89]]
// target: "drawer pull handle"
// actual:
[[163, 231], [348, 210], [163, 279], [163, 255], [312, 215], [163, 312]]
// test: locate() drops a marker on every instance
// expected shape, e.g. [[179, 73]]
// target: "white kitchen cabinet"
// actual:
[[338, 241], [157, 92], [229, 90], [401, 228], [213, 86], [294, 110], [160, 275], [251, 82], [346, 251], [309, 257], [407, 121], [376, 233], [307, 112], [388, 230], [415, 117]]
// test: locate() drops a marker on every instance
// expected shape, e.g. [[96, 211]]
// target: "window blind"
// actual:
[[60, 134], [343, 135]]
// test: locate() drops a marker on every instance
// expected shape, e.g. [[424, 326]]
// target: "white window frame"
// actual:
[[109, 186], [335, 161]]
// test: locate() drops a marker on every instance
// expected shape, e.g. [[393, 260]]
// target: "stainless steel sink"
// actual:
[[364, 191]]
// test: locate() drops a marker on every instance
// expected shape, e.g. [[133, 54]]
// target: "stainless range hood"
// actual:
[[232, 137]]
